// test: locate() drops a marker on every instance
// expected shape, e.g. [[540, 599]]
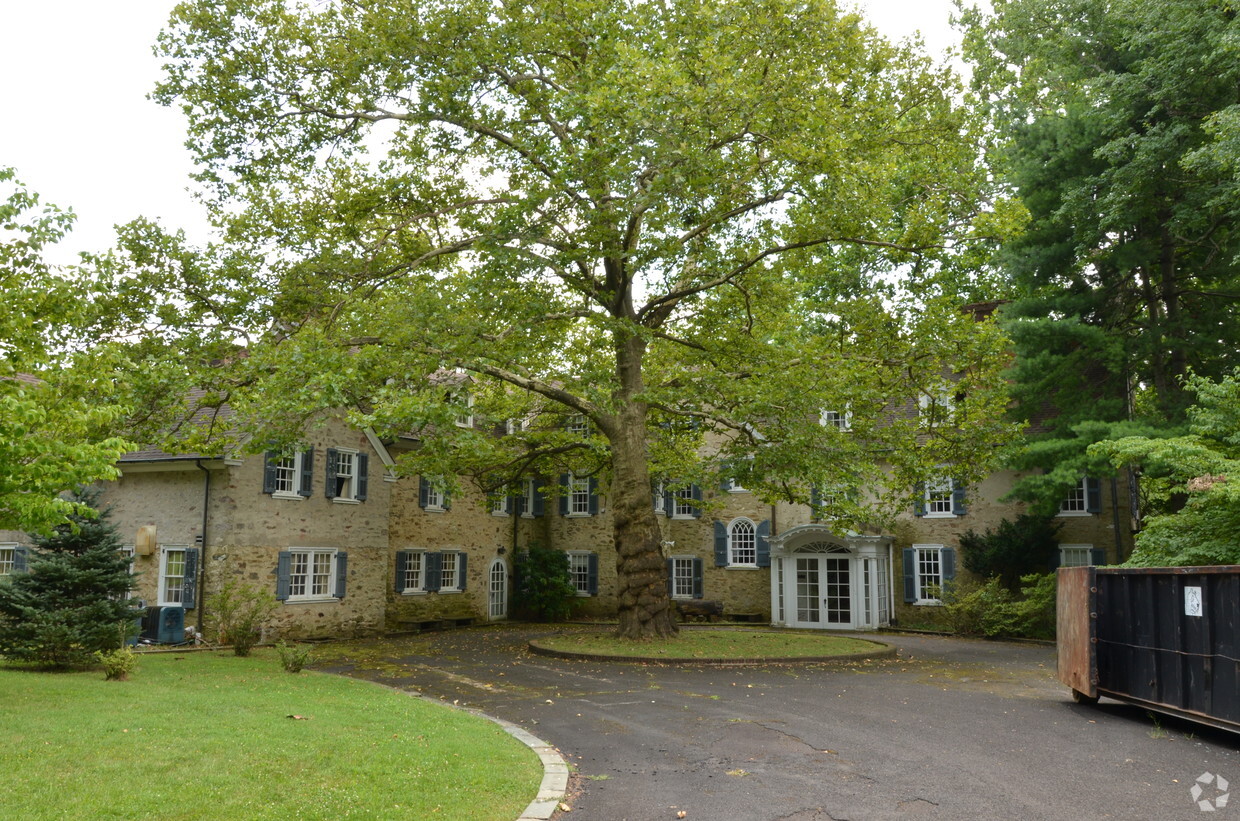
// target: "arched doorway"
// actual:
[[830, 582], [497, 591]]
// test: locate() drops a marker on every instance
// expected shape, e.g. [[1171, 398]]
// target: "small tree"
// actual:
[[74, 600], [1013, 549], [237, 614], [544, 590]]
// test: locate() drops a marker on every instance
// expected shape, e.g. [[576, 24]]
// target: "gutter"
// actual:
[[201, 586]]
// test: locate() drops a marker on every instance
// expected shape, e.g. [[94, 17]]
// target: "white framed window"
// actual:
[[578, 495], [742, 544], [411, 571], [660, 498], [581, 571], [531, 500], [578, 425], [346, 475], [464, 419], [682, 576], [683, 506], [840, 420], [450, 571], [172, 575], [8, 558], [1076, 503], [1076, 555], [500, 506], [938, 497], [927, 572], [938, 406], [733, 486], [288, 476], [432, 496], [312, 574]]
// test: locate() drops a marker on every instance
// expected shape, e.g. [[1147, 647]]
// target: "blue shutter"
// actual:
[[1093, 495], [910, 575], [919, 501], [721, 544], [284, 569], [445, 499], [539, 504], [764, 543], [342, 573], [402, 567], [424, 490], [189, 584], [669, 499], [696, 493], [1097, 556], [698, 585], [307, 472], [958, 498], [564, 488], [269, 471], [363, 475], [462, 565], [593, 496], [592, 574], [1055, 560], [671, 571], [21, 559], [333, 467], [432, 571], [815, 502], [947, 564]]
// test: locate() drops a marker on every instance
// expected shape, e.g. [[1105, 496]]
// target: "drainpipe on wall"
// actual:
[[202, 554], [774, 529], [1119, 542]]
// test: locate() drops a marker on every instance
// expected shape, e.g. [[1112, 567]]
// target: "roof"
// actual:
[[202, 416]]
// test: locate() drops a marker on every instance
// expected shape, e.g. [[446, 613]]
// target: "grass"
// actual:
[[209, 735], [712, 644]]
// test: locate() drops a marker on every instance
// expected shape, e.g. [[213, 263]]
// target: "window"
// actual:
[[172, 567], [288, 476], [410, 571], [683, 502], [733, 486], [530, 504], [1079, 555], [579, 495], [310, 574], [1084, 498], [347, 474], [432, 496], [578, 425], [939, 406], [685, 577], [939, 498], [8, 559], [660, 498], [499, 506], [840, 420], [742, 543], [464, 419], [583, 572], [451, 571], [927, 567]]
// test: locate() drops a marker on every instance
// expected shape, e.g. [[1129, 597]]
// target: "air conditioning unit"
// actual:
[[164, 625]]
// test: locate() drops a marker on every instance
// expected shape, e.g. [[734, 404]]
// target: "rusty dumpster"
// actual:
[[1164, 638]]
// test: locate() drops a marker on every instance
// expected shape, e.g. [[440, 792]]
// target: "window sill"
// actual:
[[927, 603], [683, 517], [581, 595], [1074, 514], [316, 600], [280, 494], [430, 509], [500, 514], [528, 516], [940, 516], [577, 515], [447, 590], [340, 500], [743, 567], [413, 592]]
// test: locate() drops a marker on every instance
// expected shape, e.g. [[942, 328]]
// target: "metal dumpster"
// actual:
[[1164, 638]]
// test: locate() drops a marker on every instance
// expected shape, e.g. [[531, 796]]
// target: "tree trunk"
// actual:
[[644, 606]]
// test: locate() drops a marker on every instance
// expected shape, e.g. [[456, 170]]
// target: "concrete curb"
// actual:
[[880, 651]]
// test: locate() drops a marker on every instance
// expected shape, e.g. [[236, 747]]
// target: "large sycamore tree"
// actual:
[[660, 237]]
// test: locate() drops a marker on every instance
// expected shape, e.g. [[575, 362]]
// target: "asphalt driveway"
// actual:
[[953, 729]]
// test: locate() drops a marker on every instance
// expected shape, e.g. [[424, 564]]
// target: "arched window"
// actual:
[[742, 543]]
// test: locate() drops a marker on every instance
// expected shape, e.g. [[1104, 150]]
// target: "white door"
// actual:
[[821, 592], [498, 591]]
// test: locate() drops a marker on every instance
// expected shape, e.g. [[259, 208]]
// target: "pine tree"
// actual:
[[73, 600]]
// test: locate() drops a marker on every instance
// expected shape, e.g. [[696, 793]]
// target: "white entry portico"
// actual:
[[830, 581]]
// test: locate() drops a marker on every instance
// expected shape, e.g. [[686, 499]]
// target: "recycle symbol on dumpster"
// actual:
[[1220, 792]]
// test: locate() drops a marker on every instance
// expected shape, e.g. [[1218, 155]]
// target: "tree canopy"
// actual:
[[670, 222], [58, 406], [1115, 126]]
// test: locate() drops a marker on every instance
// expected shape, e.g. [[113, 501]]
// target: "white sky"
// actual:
[[78, 128]]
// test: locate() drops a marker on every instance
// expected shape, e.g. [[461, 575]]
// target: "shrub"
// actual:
[[1013, 549], [118, 663], [293, 657], [237, 614], [543, 589], [988, 609]]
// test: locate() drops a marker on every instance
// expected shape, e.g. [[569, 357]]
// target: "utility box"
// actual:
[[164, 625], [1163, 638]]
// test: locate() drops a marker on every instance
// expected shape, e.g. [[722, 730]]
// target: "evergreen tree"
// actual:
[[74, 597]]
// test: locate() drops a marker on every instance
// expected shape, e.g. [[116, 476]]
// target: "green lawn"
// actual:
[[713, 644], [206, 735]]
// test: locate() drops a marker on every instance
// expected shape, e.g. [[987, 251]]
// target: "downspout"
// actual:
[[201, 587], [1119, 544]]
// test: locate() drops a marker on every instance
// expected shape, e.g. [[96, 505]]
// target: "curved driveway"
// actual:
[[952, 729]]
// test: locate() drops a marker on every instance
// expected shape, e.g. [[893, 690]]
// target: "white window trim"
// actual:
[[731, 550], [529, 489], [1083, 487], [923, 600], [456, 571], [163, 568], [578, 425], [733, 487], [350, 496], [433, 492], [12, 548], [420, 590], [465, 420], [676, 500], [331, 575], [1089, 554], [676, 596], [297, 457], [660, 499], [578, 485], [935, 484], [842, 421], [501, 506], [583, 555]]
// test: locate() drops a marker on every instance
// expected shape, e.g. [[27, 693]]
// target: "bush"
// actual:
[[118, 663], [543, 589], [237, 614], [988, 609], [293, 657], [73, 601], [1013, 549]]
